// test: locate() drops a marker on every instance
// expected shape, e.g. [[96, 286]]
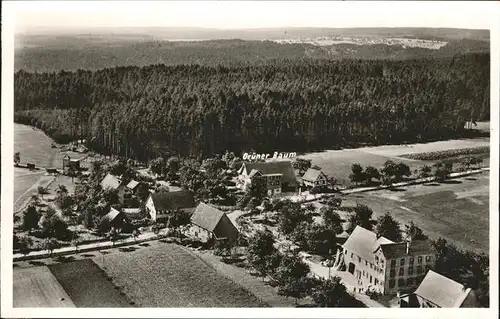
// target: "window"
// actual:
[[359, 259], [363, 272], [392, 283], [393, 273], [402, 262], [410, 271], [382, 262], [371, 278], [366, 262], [376, 259], [393, 263], [401, 282], [412, 260], [371, 265], [419, 259], [401, 271], [428, 258], [352, 255], [419, 269], [376, 281]]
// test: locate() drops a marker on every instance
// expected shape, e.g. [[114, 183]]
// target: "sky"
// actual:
[[250, 14]]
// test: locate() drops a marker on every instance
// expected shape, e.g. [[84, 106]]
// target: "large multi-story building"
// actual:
[[382, 265], [279, 176]]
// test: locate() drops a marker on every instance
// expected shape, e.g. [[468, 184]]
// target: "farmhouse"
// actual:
[[209, 223], [381, 265], [438, 291], [314, 178], [279, 176], [112, 182], [160, 204], [114, 217]]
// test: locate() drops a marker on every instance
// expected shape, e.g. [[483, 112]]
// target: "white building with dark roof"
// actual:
[[382, 265], [159, 205], [314, 178], [279, 175], [438, 291]]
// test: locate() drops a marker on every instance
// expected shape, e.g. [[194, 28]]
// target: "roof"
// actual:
[[442, 291], [173, 200], [364, 242], [277, 167], [417, 247], [311, 175], [113, 213], [207, 217], [110, 181], [253, 173], [132, 184]]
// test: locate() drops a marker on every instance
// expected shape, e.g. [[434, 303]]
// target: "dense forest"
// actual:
[[285, 105], [70, 53]]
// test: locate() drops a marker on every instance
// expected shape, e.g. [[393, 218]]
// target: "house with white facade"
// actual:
[[382, 265], [158, 205], [314, 178], [279, 176]]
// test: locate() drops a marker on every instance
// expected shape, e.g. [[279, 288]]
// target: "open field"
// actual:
[[167, 275], [37, 287], [34, 145], [87, 285], [337, 163], [457, 210]]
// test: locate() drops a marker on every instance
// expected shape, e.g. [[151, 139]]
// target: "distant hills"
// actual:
[[189, 33], [98, 48]]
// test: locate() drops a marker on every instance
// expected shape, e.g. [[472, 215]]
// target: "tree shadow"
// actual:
[[452, 181], [87, 255], [306, 305], [64, 259], [36, 263], [14, 265], [104, 252], [128, 249], [396, 189], [471, 178], [145, 244]]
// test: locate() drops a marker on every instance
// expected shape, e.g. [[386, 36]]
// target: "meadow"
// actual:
[[36, 287], [457, 210], [167, 275], [88, 285]]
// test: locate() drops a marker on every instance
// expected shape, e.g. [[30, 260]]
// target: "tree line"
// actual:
[[195, 110]]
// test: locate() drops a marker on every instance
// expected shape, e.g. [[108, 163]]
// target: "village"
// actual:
[[282, 220]]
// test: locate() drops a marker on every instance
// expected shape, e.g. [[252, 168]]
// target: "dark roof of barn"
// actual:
[[173, 200], [207, 217]]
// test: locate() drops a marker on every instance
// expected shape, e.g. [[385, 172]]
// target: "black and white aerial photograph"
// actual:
[[230, 154]]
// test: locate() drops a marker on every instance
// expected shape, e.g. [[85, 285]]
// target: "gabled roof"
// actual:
[[277, 167], [132, 184], [442, 291], [110, 181], [311, 175], [254, 172], [416, 247], [112, 215], [173, 200], [363, 243], [207, 217]]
